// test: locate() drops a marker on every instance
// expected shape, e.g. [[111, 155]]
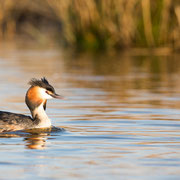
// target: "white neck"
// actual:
[[42, 116]]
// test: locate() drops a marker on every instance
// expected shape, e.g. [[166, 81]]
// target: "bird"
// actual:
[[36, 99]]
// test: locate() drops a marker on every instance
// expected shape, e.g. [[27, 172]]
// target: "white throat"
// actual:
[[42, 116]]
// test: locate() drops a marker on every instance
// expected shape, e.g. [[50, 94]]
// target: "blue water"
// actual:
[[121, 117]]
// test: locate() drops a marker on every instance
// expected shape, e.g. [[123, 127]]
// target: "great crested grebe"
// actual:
[[36, 98]]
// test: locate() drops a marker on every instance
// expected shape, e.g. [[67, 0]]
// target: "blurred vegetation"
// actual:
[[93, 24]]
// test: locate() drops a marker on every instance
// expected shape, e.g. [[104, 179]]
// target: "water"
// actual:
[[121, 116]]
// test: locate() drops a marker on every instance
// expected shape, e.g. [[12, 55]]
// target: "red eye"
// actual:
[[47, 92]]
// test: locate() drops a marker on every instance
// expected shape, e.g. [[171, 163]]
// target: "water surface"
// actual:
[[121, 116]]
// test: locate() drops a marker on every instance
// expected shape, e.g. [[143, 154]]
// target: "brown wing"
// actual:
[[12, 121]]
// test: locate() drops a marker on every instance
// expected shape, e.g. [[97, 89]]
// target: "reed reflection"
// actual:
[[127, 79]]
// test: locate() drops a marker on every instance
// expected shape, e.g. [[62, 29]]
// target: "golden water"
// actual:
[[121, 116]]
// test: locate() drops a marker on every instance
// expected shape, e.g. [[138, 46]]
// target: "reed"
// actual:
[[94, 24]]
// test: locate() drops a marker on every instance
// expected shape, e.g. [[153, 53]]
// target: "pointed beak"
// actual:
[[57, 96]]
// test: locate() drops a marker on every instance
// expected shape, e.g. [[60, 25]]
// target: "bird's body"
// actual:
[[36, 99], [12, 121]]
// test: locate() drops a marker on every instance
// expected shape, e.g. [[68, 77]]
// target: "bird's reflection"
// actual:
[[37, 141], [32, 141], [33, 138]]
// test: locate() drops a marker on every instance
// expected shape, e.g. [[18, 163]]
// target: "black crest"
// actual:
[[43, 83]]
